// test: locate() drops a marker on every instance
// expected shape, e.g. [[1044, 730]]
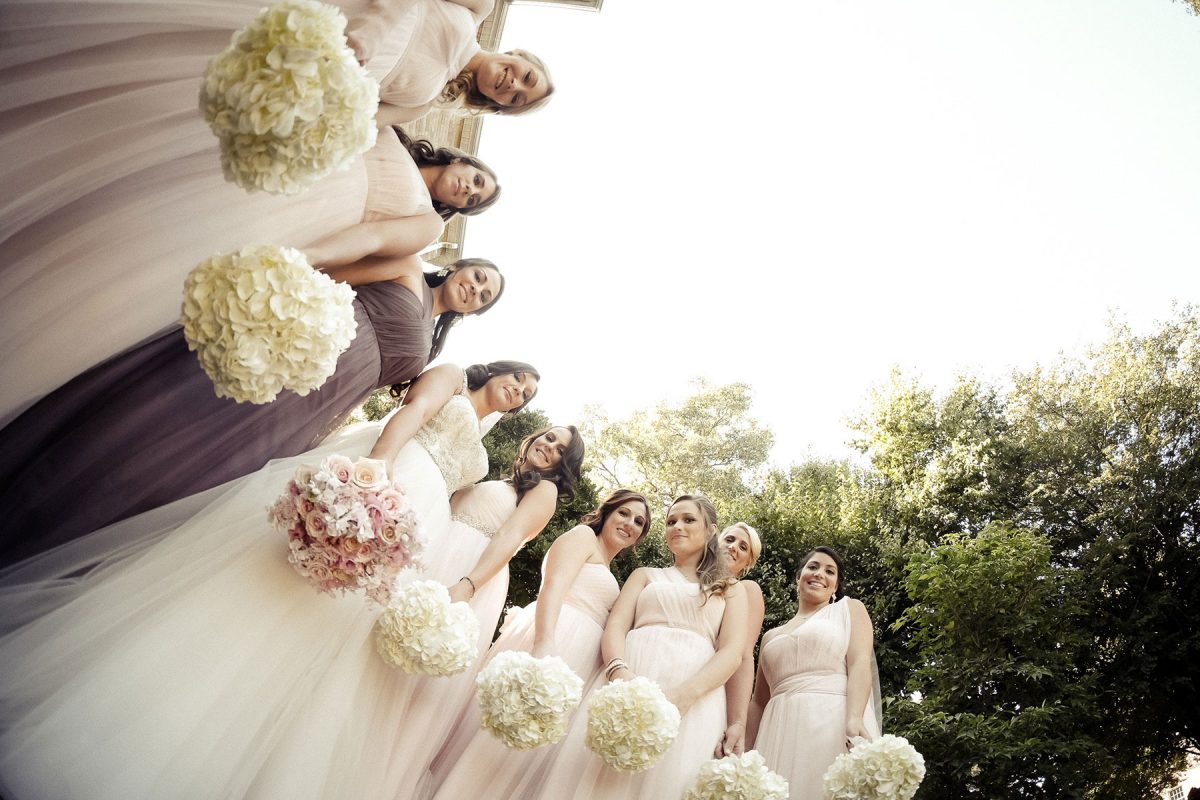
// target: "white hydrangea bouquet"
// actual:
[[423, 633], [288, 100], [744, 777], [887, 768], [348, 526], [631, 724], [262, 320], [525, 701]]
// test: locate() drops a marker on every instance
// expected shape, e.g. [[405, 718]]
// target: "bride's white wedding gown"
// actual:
[[188, 659]]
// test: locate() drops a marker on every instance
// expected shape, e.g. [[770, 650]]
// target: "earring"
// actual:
[[443, 272]]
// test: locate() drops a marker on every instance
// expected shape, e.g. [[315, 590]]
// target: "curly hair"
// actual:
[[565, 474], [461, 93], [425, 154]]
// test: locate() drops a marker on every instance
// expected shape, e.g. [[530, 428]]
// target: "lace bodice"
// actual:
[[485, 506], [453, 442]]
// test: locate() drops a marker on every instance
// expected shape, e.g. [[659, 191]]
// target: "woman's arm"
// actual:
[[620, 622], [479, 8], [391, 238], [762, 695], [858, 668], [531, 515], [731, 644], [564, 560], [739, 687], [366, 29], [388, 115], [428, 393], [407, 270]]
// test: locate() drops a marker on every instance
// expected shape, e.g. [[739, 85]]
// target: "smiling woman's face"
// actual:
[[623, 527], [818, 579], [510, 81]]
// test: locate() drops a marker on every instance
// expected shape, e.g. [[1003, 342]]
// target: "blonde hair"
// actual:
[[460, 95], [752, 535]]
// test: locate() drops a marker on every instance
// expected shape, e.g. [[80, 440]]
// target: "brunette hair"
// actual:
[[448, 319], [565, 474], [838, 592], [480, 374], [427, 155], [619, 497]]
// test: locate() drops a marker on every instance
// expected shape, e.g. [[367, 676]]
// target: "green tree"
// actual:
[[708, 443], [1003, 710], [1099, 456]]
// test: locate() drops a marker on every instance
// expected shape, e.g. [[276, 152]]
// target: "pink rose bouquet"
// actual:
[[348, 526]]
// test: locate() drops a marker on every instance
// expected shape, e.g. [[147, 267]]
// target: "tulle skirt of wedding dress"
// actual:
[[178, 655]]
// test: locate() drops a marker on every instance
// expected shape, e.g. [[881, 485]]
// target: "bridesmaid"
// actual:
[[577, 592], [683, 627], [178, 655], [815, 680], [62, 316], [146, 427], [424, 54], [742, 546]]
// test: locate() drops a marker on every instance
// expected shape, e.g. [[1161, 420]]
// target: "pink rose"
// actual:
[[316, 524], [388, 534], [340, 468], [392, 501]]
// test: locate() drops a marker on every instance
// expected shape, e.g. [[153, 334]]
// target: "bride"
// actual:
[[178, 655]]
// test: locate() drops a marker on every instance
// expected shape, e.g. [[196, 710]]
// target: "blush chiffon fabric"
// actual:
[[673, 636], [803, 727], [474, 763]]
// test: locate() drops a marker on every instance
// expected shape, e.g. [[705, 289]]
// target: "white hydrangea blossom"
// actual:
[[744, 777], [423, 633], [631, 724], [888, 768], [288, 100], [525, 701], [262, 320]]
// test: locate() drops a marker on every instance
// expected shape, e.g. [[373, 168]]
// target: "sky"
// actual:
[[804, 195]]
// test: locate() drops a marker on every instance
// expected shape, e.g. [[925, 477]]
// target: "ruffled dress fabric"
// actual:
[[434, 706], [113, 188], [474, 763], [673, 636], [179, 655], [803, 726], [146, 427]]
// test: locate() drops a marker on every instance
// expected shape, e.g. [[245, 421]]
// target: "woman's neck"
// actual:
[[808, 609], [476, 61], [439, 301], [688, 566], [429, 174], [478, 398]]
